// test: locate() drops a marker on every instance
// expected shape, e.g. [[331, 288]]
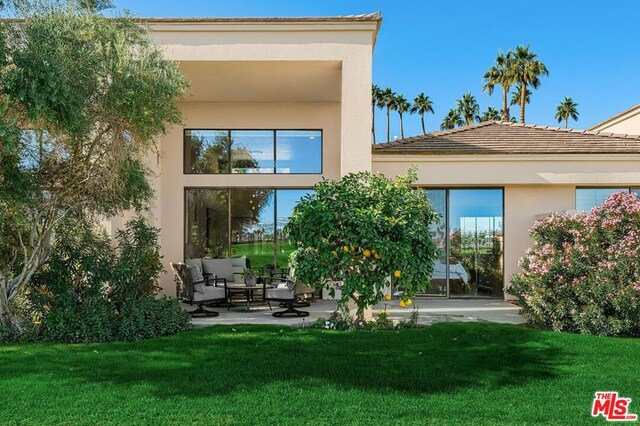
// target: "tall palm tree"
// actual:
[[491, 114], [421, 105], [500, 74], [452, 120], [386, 100], [528, 70], [468, 108], [401, 105], [375, 97], [567, 109], [516, 96]]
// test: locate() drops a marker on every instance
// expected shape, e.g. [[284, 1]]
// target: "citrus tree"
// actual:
[[364, 230]]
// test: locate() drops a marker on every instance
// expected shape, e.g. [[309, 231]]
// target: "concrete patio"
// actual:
[[431, 310]]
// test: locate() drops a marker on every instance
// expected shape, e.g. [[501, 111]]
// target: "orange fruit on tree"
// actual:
[[397, 273], [403, 304], [387, 297], [408, 302], [366, 253], [353, 248], [345, 249]]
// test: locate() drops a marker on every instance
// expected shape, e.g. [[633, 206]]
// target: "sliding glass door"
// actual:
[[471, 242]]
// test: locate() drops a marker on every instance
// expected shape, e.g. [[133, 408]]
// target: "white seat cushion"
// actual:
[[210, 293], [280, 293]]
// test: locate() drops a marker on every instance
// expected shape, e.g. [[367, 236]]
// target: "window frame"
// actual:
[[629, 189], [275, 150]]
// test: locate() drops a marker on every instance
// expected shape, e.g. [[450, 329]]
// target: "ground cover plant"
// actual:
[[449, 373], [583, 273]]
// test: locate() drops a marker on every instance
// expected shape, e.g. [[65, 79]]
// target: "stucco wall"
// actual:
[[522, 203], [627, 124]]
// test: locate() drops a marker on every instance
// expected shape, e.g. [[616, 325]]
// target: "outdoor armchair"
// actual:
[[195, 289], [287, 294]]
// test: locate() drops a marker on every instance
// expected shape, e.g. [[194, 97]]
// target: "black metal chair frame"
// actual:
[[184, 290]]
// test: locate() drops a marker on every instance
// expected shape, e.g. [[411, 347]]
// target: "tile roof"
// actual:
[[614, 117], [504, 138]]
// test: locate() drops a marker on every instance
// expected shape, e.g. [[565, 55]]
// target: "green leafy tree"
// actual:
[[501, 73], [528, 70], [452, 120], [468, 108], [402, 106], [567, 109], [94, 93], [375, 100], [422, 104], [387, 100], [361, 231], [491, 114]]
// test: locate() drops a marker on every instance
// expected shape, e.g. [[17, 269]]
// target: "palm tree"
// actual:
[[401, 105], [528, 70], [501, 74], [375, 97], [386, 100], [491, 114], [567, 109], [452, 120], [468, 108], [422, 104], [516, 96]]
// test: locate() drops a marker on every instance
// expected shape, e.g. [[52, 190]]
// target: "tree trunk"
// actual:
[[373, 123], [424, 132], [566, 123], [523, 99], [401, 128], [6, 316], [505, 107], [388, 130]]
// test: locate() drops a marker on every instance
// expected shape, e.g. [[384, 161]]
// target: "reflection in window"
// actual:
[[252, 213], [252, 151], [254, 224], [587, 198], [207, 223], [438, 200], [298, 151], [476, 242], [287, 199], [206, 151]]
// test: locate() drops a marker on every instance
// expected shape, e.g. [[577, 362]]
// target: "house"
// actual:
[[278, 104]]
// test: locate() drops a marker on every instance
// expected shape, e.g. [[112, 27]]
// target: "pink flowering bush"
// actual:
[[583, 272]]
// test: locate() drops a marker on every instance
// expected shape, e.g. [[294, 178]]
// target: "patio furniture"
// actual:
[[287, 294], [195, 289], [249, 293]]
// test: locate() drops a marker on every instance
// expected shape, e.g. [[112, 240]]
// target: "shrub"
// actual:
[[91, 292], [150, 317], [583, 272]]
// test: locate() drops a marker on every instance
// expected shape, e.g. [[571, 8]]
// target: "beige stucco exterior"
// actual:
[[262, 75], [317, 75], [533, 185], [625, 123]]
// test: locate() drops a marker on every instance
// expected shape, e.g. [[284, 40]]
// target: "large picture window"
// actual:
[[235, 222], [252, 151]]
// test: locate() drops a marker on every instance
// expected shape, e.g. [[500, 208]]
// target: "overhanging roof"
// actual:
[[504, 138]]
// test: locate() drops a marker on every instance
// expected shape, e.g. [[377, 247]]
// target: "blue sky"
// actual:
[[442, 48]]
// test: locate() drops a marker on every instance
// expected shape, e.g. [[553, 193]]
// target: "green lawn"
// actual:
[[451, 373]]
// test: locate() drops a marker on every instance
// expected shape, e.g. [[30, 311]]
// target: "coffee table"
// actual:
[[248, 291]]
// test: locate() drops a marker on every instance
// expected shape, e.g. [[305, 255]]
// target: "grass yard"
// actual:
[[453, 373]]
